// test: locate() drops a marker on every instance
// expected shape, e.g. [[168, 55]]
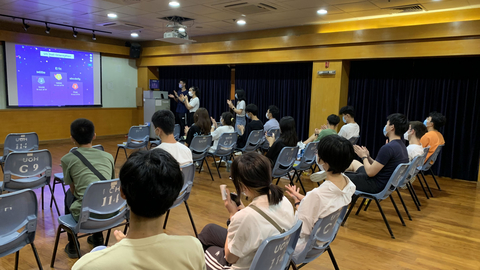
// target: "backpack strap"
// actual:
[[267, 218], [89, 165]]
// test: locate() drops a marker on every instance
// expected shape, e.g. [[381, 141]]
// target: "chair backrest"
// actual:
[[176, 132], [188, 172], [20, 142], [421, 160], [394, 181], [199, 146], [102, 198], [276, 251], [431, 160], [285, 161], [253, 142], [18, 217], [226, 144], [27, 165], [324, 232], [308, 158], [138, 137], [354, 139]]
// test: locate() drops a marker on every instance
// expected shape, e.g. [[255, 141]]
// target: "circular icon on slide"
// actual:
[[41, 80], [75, 86]]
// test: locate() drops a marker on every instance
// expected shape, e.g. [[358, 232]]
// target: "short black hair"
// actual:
[[347, 110], [333, 119], [165, 120], [251, 108], [419, 128], [274, 111], [184, 81], [438, 120], [240, 94], [197, 91], [151, 181], [400, 122], [337, 152], [82, 131]]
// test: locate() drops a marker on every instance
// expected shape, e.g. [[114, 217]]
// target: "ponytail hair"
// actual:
[[253, 171], [228, 119]]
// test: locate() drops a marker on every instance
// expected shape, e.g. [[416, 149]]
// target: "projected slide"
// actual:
[[52, 77]]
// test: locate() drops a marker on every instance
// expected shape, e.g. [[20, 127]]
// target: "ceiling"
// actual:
[[210, 16]]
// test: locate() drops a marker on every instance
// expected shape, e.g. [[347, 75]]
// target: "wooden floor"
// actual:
[[445, 234]]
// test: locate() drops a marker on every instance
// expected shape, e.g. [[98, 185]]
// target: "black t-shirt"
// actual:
[[192, 133], [275, 150], [390, 155], [252, 125]]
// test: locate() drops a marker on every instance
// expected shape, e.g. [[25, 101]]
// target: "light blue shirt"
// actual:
[[271, 124]]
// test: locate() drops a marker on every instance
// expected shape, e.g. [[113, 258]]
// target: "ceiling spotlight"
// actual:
[[112, 15], [241, 22], [134, 35], [322, 11], [75, 33], [174, 4], [47, 29], [93, 36], [25, 26], [181, 30]]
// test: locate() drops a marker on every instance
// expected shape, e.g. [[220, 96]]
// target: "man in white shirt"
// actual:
[[351, 128], [164, 123], [413, 135]]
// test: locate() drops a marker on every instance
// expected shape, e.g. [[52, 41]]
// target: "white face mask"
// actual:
[[405, 136], [180, 85], [236, 96], [190, 93], [266, 115], [344, 121]]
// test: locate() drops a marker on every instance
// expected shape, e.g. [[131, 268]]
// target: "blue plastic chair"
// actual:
[[176, 132], [18, 142], [188, 172], [225, 147], [427, 167], [109, 209], [253, 142], [324, 231], [33, 170], [199, 147], [305, 163], [354, 139], [275, 252], [390, 187], [18, 223], [284, 163], [138, 137]]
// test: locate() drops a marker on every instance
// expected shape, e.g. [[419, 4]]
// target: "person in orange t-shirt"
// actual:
[[433, 138]]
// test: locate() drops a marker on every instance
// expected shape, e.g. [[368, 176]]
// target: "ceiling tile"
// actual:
[[302, 4], [338, 2], [56, 3], [100, 4], [79, 8], [446, 4], [368, 13], [223, 15], [160, 5], [25, 6], [129, 11], [359, 6], [200, 9], [393, 3]]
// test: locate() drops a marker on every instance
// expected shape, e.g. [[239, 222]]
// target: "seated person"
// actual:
[[164, 124], [413, 136], [251, 175], [334, 155], [228, 123], [373, 175], [433, 137], [201, 125], [272, 115], [251, 112], [150, 181], [288, 137], [351, 128], [328, 129], [79, 176]]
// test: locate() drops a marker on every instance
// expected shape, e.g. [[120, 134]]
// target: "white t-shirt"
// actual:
[[349, 130], [248, 228], [414, 150], [216, 135], [179, 151], [319, 203], [241, 106], [195, 103]]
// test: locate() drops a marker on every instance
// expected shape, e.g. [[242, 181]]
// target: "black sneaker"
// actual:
[[70, 250], [95, 242]]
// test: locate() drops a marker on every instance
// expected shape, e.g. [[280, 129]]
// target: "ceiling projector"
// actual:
[[176, 37]]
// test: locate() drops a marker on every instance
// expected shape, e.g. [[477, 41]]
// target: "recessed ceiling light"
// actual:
[[134, 35], [112, 15], [241, 22], [174, 4], [322, 11]]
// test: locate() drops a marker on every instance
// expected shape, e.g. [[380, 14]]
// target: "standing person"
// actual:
[[181, 112], [433, 137], [288, 137], [239, 110], [251, 111], [191, 105], [413, 136], [351, 128], [273, 113], [201, 126], [228, 122]]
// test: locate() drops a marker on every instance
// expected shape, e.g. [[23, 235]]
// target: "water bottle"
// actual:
[[229, 163]]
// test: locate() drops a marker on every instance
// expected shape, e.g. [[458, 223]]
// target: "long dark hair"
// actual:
[[202, 120], [254, 171], [288, 132], [240, 94], [228, 119]]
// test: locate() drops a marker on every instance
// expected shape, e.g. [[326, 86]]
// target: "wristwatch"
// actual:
[[364, 158]]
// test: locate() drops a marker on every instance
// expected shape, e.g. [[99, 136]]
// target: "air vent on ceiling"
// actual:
[[409, 8], [176, 19], [249, 9], [120, 26]]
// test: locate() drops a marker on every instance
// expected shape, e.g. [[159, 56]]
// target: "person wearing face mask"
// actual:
[[334, 154], [164, 124], [413, 136], [181, 111], [372, 175], [228, 122], [272, 115], [251, 112], [239, 110], [191, 105], [351, 128], [433, 137]]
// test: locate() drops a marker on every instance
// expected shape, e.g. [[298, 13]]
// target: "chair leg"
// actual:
[[384, 219], [423, 187], [43, 189], [404, 206], [435, 179], [53, 190], [292, 264], [217, 165], [366, 206], [208, 167], [334, 262], [116, 155], [125, 150], [55, 246], [360, 207], [37, 258], [426, 184], [300, 180], [352, 204], [108, 237], [54, 200], [17, 255], [278, 180], [166, 218], [191, 219], [125, 230], [396, 209], [413, 196]]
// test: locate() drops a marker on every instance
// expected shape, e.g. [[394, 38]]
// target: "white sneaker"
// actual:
[[239, 153], [318, 176]]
